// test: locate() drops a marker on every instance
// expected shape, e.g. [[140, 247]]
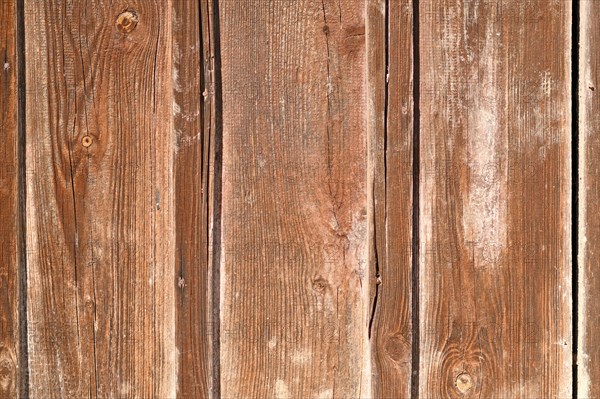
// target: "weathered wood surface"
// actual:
[[588, 359], [100, 199], [495, 249], [295, 276], [10, 354], [390, 130], [221, 197], [193, 113]]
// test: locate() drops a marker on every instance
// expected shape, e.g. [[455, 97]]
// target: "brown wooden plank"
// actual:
[[294, 264], [100, 199], [10, 371], [193, 98], [588, 358], [495, 300], [390, 131]]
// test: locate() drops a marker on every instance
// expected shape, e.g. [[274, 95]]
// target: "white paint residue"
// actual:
[[484, 212], [175, 77], [547, 83], [301, 357], [281, 390], [326, 394], [125, 388], [176, 108]]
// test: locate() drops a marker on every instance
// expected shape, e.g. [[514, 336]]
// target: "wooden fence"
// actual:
[[299, 199]]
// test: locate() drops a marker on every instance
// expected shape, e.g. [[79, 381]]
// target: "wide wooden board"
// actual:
[[295, 277], [100, 199], [495, 189]]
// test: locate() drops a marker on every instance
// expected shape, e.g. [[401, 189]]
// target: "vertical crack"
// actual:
[[414, 382], [23, 347], [217, 200], [385, 180]]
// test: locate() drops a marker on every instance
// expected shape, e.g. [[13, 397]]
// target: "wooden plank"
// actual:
[[100, 199], [588, 358], [294, 266], [391, 131], [495, 300], [10, 355], [193, 104]]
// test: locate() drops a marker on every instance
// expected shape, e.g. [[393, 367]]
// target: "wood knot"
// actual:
[[397, 347], [319, 284], [89, 304], [127, 21], [7, 374], [463, 382], [86, 141]]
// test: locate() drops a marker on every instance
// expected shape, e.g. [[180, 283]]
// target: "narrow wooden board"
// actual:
[[192, 112], [390, 124], [294, 267], [10, 355], [495, 219], [100, 199], [588, 357]]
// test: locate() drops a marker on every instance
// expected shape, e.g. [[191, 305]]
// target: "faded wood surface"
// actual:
[[10, 355], [100, 199], [588, 359], [295, 277], [495, 278], [390, 125], [221, 200]]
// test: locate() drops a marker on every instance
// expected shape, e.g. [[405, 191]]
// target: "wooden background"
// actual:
[[299, 199]]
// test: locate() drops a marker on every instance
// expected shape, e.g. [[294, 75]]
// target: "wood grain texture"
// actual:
[[390, 129], [192, 110], [100, 199], [10, 371], [588, 359], [294, 267], [495, 303]]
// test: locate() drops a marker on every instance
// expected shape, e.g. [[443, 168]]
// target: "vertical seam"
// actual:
[[21, 125], [414, 383]]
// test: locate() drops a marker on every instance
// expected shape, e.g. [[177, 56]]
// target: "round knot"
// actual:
[[127, 21], [463, 382], [86, 141]]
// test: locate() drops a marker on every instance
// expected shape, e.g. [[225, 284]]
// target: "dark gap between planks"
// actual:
[[21, 224], [414, 381], [575, 26]]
